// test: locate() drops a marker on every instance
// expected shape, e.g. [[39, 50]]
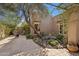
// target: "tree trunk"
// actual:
[[26, 18]]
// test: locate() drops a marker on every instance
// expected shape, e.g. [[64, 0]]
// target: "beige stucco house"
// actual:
[[49, 24], [72, 17], [73, 30], [46, 24]]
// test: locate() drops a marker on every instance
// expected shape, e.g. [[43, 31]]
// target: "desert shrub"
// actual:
[[29, 36], [26, 28], [53, 42], [7, 31], [60, 38], [4, 31]]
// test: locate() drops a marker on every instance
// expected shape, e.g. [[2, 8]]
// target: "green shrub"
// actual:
[[26, 28], [53, 42], [60, 38], [4, 31], [7, 31], [29, 36]]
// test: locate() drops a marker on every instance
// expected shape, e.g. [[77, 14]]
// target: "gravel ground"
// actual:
[[58, 52], [48, 52]]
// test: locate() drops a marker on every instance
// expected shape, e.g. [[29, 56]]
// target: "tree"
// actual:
[[25, 9]]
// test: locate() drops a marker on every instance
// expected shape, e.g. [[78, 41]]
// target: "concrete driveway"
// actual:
[[19, 45]]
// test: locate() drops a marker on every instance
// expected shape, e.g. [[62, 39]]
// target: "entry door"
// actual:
[[37, 27]]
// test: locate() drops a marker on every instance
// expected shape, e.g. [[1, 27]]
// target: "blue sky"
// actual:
[[53, 10]]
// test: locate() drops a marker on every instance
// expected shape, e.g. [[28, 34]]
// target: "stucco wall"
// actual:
[[73, 30], [77, 27], [49, 25], [46, 25]]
